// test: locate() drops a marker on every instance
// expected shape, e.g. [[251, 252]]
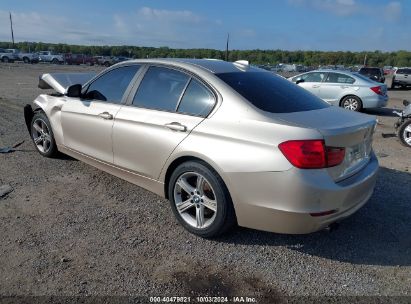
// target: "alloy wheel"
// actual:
[[406, 135], [351, 104], [41, 135], [195, 200]]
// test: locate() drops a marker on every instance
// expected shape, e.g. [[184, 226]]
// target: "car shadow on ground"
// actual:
[[387, 112], [378, 234]]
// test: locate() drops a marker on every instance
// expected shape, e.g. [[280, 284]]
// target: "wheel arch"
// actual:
[[185, 158]]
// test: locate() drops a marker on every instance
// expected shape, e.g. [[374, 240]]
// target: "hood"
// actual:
[[61, 81]]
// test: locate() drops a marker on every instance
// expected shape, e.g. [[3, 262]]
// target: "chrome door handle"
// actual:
[[106, 115], [315, 86], [176, 126]]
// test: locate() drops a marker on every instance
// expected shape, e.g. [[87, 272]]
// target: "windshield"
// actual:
[[272, 93]]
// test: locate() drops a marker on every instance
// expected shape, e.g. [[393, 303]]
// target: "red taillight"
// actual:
[[377, 90], [335, 156], [311, 154]]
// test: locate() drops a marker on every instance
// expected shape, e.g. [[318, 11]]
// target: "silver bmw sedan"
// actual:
[[351, 91], [225, 142]]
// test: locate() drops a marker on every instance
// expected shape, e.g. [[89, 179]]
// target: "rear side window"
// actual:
[[339, 78], [272, 93], [111, 86], [160, 89], [197, 100]]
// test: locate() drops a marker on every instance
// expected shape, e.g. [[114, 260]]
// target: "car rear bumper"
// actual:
[[377, 101], [283, 202]]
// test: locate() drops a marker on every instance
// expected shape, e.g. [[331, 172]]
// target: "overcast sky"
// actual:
[[277, 24]]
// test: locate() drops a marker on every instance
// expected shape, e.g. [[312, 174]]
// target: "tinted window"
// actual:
[[272, 93], [112, 85], [311, 77], [339, 78], [404, 71], [161, 89], [197, 100], [370, 71]]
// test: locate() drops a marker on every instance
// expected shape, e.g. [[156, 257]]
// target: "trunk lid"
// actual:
[[61, 81], [340, 128]]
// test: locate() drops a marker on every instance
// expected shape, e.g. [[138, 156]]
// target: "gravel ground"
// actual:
[[68, 229]]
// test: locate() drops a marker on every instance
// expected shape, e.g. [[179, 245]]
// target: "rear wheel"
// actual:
[[55, 61], [5, 59], [200, 200], [404, 133], [26, 60], [352, 103], [42, 135]]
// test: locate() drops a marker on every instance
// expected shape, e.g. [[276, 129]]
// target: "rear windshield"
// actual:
[[370, 71], [272, 93]]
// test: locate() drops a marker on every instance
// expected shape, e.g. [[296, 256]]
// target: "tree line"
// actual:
[[272, 57]]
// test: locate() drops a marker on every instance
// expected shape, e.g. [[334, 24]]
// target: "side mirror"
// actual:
[[74, 90], [405, 102], [299, 81]]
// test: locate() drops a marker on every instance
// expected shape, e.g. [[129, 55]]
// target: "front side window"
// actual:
[[404, 71], [314, 77], [197, 100], [111, 85], [272, 93], [160, 89], [339, 78]]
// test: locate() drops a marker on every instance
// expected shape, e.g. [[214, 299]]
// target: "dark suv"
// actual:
[[376, 74]]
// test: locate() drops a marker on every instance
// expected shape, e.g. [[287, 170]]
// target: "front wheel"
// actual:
[[26, 60], [200, 200], [352, 103], [42, 135], [5, 59], [404, 133]]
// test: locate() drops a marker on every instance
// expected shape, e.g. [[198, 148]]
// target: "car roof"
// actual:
[[215, 66]]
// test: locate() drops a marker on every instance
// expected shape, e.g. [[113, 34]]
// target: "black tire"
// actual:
[[26, 60], [348, 103], [402, 133], [224, 216], [55, 61], [51, 148], [5, 59], [107, 64]]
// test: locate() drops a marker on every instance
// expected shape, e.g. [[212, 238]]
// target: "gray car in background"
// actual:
[[351, 91]]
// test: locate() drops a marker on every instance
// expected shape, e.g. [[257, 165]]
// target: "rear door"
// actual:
[[166, 106], [335, 86], [403, 76], [88, 122]]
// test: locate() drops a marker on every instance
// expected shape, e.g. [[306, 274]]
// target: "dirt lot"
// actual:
[[70, 229]]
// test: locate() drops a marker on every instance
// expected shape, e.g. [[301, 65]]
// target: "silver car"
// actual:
[[351, 91], [225, 142]]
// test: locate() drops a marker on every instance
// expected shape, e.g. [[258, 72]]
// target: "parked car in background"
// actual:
[[401, 77], [104, 60], [351, 91], [226, 143], [376, 74], [7, 56], [25, 57], [50, 56], [78, 59]]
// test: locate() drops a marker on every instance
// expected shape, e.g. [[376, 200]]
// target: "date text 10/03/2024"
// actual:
[[199, 299]]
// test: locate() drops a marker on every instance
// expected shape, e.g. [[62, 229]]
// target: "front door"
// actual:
[[87, 122]]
